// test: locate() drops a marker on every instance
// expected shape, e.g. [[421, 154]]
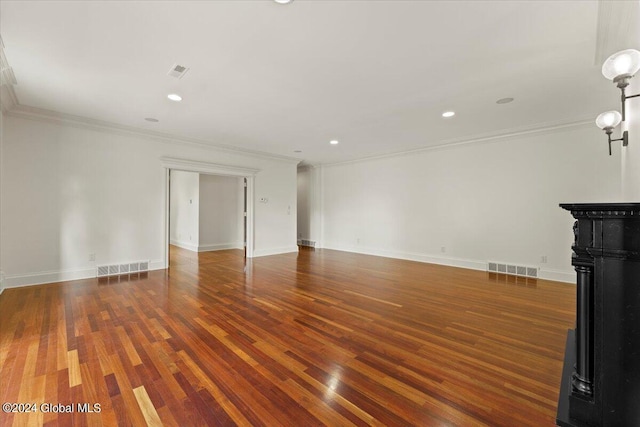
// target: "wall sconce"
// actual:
[[620, 68], [609, 120]]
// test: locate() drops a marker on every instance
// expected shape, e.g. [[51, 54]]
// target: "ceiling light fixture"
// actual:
[[152, 120], [334, 142], [504, 100], [174, 97], [448, 114], [620, 68], [283, 1], [297, 151]]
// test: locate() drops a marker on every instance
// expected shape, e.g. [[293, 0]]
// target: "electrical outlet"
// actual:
[[543, 259], [358, 240], [92, 257], [443, 249]]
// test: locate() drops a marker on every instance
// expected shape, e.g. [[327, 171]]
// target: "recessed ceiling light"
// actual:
[[152, 120], [504, 100], [334, 142], [174, 97], [448, 114], [297, 151], [283, 1]]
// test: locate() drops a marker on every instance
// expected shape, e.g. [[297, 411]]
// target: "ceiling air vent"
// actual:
[[178, 71]]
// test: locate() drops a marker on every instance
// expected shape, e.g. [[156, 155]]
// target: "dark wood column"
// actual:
[[601, 377]]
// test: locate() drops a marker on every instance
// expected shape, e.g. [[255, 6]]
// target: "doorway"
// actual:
[[246, 180]]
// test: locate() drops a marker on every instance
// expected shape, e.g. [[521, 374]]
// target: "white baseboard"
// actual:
[[184, 245], [44, 277], [556, 275], [40, 278], [220, 247], [274, 251], [156, 265]]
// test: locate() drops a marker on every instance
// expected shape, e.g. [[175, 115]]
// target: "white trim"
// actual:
[[40, 114], [156, 265], [184, 245], [206, 167], [486, 138], [219, 247], [45, 277], [49, 277], [167, 215], [250, 217], [215, 169], [557, 275], [274, 251]]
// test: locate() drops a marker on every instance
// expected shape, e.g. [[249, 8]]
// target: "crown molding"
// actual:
[[479, 139], [50, 116]]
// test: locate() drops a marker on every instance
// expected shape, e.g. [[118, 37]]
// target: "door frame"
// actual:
[[170, 163]]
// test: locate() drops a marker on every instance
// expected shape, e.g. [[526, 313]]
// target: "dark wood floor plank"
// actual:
[[315, 338]]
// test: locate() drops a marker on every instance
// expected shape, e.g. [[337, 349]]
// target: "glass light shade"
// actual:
[[608, 119], [621, 63]]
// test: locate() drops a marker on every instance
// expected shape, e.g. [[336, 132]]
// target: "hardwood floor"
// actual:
[[316, 338]]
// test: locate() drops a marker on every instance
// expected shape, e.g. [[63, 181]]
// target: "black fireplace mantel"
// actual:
[[601, 376]]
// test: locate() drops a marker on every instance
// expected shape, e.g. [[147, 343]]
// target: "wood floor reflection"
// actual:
[[315, 338]]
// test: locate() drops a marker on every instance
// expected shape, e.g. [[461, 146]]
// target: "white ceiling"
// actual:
[[375, 75]]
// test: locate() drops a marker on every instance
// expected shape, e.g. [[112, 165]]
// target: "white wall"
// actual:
[[184, 209], [72, 190], [221, 206], [304, 203], [309, 204], [281, 199], [2, 284], [495, 200], [631, 153]]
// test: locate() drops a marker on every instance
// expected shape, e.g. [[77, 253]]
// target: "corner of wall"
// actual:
[[630, 173], [2, 284]]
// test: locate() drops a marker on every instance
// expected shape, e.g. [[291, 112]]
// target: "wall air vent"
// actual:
[[103, 271], [178, 71], [310, 243], [512, 269], [124, 268]]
